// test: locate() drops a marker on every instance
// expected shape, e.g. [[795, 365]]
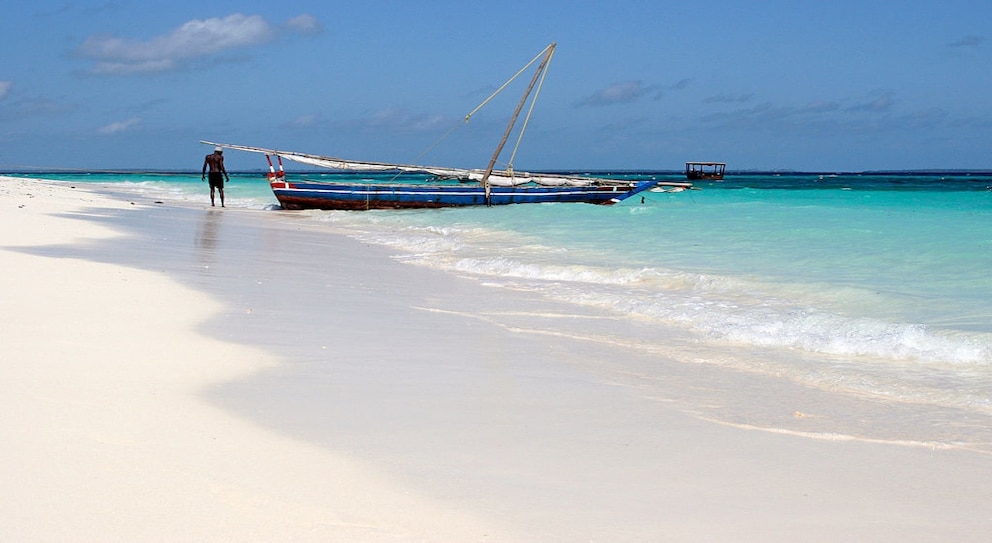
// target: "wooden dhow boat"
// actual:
[[443, 186]]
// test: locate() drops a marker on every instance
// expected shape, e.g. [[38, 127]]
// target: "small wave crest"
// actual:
[[728, 310], [816, 318]]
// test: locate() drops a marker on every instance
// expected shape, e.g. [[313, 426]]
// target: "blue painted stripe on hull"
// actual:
[[305, 195]]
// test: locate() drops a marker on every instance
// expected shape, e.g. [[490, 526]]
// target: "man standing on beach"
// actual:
[[218, 174]]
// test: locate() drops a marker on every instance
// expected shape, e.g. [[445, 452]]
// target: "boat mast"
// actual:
[[513, 120]]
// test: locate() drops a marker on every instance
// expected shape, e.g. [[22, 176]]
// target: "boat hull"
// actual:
[[700, 176], [357, 196]]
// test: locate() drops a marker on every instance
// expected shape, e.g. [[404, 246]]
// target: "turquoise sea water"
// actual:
[[870, 284]]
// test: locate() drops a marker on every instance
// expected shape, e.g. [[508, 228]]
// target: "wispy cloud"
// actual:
[[305, 24], [120, 126], [624, 92], [194, 39], [827, 106], [967, 41], [13, 110], [628, 92], [728, 98], [624, 125], [305, 121], [87, 8], [880, 103], [5, 88], [880, 112], [399, 119], [379, 121]]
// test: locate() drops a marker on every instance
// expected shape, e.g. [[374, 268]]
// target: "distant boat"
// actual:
[[695, 171], [447, 187]]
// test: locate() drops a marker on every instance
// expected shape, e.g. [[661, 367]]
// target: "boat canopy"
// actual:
[[705, 170]]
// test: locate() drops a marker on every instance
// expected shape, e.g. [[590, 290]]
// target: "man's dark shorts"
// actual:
[[216, 179]]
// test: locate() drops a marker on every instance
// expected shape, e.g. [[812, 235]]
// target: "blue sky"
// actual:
[[816, 86]]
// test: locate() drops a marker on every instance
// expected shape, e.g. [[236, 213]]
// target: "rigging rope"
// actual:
[[530, 110], [508, 81], [468, 117]]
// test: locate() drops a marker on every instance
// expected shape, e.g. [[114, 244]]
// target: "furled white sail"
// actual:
[[500, 178]]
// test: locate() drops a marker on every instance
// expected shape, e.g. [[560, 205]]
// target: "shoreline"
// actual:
[[461, 426]]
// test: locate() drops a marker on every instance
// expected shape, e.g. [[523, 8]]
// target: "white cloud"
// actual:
[[120, 126], [194, 39], [4, 88]]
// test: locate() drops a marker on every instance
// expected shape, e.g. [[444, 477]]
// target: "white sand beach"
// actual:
[[105, 436], [196, 374]]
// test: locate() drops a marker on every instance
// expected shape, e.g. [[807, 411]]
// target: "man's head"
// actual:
[[218, 150]]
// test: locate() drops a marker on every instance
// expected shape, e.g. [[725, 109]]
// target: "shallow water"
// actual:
[[875, 286]]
